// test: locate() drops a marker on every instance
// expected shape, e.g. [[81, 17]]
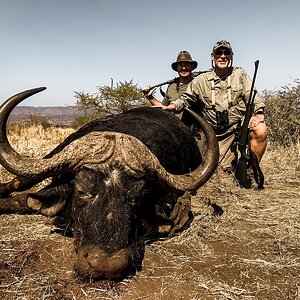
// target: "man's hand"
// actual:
[[148, 92], [256, 120], [169, 107]]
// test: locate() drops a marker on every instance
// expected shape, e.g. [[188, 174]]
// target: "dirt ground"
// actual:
[[242, 244]]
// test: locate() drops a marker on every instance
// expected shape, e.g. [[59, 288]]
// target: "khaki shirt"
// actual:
[[174, 91], [230, 92]]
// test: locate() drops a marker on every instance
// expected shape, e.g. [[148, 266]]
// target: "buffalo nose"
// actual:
[[97, 263]]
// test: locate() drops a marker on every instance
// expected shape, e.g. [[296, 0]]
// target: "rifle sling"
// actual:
[[226, 131], [224, 135]]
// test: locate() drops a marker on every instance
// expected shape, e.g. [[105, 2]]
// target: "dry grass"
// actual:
[[242, 244], [35, 141]]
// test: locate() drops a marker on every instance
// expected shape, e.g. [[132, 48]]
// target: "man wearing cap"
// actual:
[[220, 95], [184, 65]]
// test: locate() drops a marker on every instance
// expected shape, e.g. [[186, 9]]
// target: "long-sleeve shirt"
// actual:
[[212, 93], [174, 91]]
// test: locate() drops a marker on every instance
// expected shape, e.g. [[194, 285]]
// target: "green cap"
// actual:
[[222, 44]]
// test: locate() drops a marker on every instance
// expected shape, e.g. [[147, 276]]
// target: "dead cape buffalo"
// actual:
[[112, 181]]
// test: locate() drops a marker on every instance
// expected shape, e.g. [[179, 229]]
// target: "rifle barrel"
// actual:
[[256, 63]]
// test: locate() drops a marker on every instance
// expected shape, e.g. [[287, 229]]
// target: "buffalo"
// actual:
[[114, 181]]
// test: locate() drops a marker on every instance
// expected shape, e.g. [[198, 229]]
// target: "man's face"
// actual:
[[222, 57], [184, 68]]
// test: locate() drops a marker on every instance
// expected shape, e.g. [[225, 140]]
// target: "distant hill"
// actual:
[[59, 115]]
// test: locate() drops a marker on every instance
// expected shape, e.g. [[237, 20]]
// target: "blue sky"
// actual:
[[72, 45]]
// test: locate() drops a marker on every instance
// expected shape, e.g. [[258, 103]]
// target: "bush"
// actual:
[[32, 121], [82, 120], [108, 100], [282, 114]]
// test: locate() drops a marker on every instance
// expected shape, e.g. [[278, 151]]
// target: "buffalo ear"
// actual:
[[51, 201]]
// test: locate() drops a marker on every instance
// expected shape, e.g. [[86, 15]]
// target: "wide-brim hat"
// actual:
[[222, 44], [184, 56]]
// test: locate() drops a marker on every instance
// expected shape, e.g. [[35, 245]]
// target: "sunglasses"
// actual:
[[221, 52]]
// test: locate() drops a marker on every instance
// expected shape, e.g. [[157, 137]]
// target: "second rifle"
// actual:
[[247, 156]]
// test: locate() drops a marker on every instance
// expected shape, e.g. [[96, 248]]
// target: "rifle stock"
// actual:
[[171, 81], [241, 173]]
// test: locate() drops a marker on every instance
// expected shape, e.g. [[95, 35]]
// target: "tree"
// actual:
[[109, 100]]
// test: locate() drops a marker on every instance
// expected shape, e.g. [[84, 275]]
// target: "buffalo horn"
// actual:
[[104, 151]]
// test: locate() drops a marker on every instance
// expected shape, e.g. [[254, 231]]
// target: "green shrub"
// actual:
[[282, 114], [108, 100], [31, 121], [82, 120]]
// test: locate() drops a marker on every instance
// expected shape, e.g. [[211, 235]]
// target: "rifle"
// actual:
[[160, 84], [247, 156], [169, 81]]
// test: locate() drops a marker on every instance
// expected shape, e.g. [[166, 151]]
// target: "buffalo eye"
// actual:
[[84, 195], [83, 190]]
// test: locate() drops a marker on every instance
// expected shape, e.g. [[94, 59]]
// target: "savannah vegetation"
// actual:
[[242, 244], [108, 100]]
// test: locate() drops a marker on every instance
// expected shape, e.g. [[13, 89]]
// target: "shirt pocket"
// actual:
[[207, 98], [237, 94]]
